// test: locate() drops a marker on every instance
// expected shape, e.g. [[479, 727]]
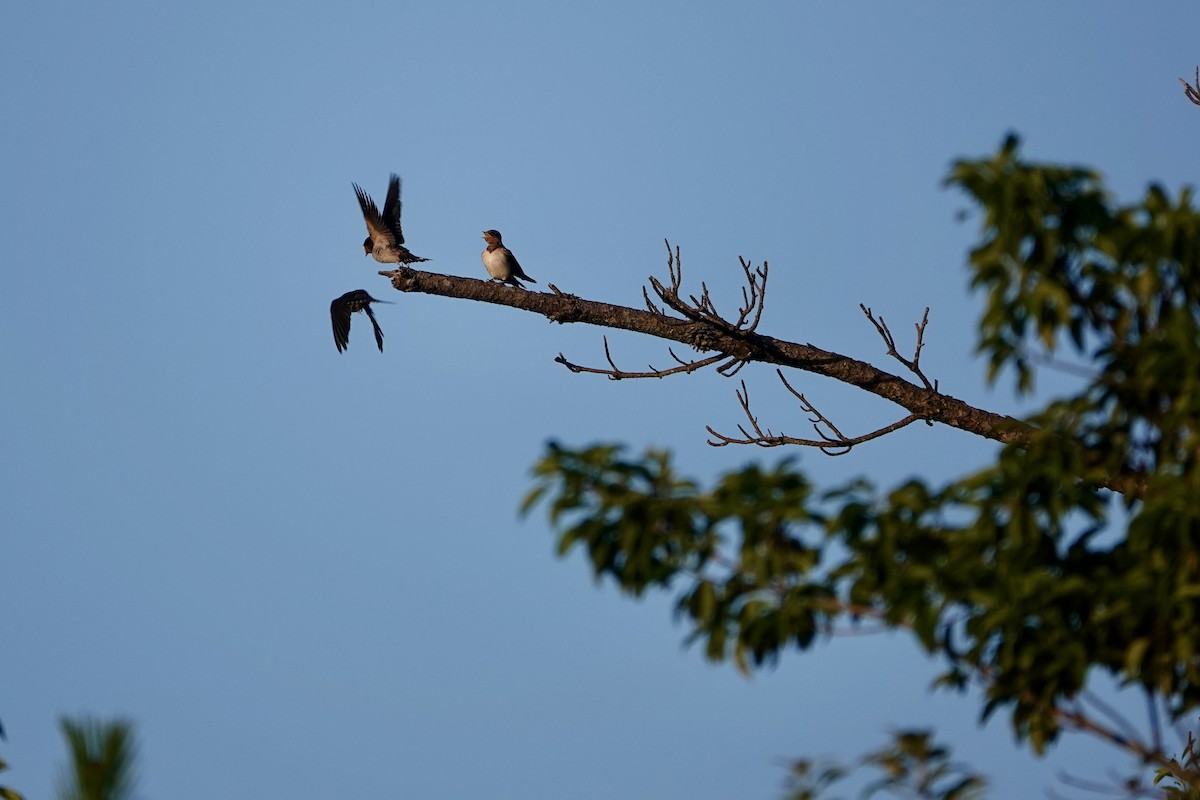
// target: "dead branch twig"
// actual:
[[700, 309], [833, 443], [562, 308], [616, 373], [914, 366], [1192, 91]]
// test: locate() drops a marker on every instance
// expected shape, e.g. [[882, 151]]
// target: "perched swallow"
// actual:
[[500, 263], [340, 311], [385, 238]]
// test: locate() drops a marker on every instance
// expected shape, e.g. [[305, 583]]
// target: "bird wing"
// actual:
[[339, 313], [516, 268], [377, 227], [391, 208], [378, 330]]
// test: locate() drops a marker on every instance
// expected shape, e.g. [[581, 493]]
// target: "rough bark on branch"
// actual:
[[557, 306]]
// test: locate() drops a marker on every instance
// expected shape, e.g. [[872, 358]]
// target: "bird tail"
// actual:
[[375, 325]]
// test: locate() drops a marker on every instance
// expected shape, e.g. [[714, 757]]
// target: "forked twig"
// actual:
[[1120, 721], [833, 443], [616, 373], [731, 358], [1192, 92], [1074, 717], [1118, 786], [696, 309], [914, 365], [702, 309]]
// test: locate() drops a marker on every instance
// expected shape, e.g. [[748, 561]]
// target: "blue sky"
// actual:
[[302, 573]]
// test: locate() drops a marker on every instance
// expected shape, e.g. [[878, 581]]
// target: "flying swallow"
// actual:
[[385, 238], [500, 263], [340, 311]]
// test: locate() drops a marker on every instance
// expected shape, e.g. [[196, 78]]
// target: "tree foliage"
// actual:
[[102, 760], [1076, 552], [5, 792], [1025, 577], [913, 765]]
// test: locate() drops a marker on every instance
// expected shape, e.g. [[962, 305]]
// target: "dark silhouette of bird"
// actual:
[[500, 263], [385, 238], [340, 311]]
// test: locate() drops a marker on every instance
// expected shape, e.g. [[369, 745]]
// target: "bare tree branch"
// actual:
[[738, 343], [914, 366], [834, 443], [1119, 720], [700, 309], [1118, 786], [616, 374], [1075, 718], [745, 346], [1152, 713], [1192, 92], [703, 308]]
